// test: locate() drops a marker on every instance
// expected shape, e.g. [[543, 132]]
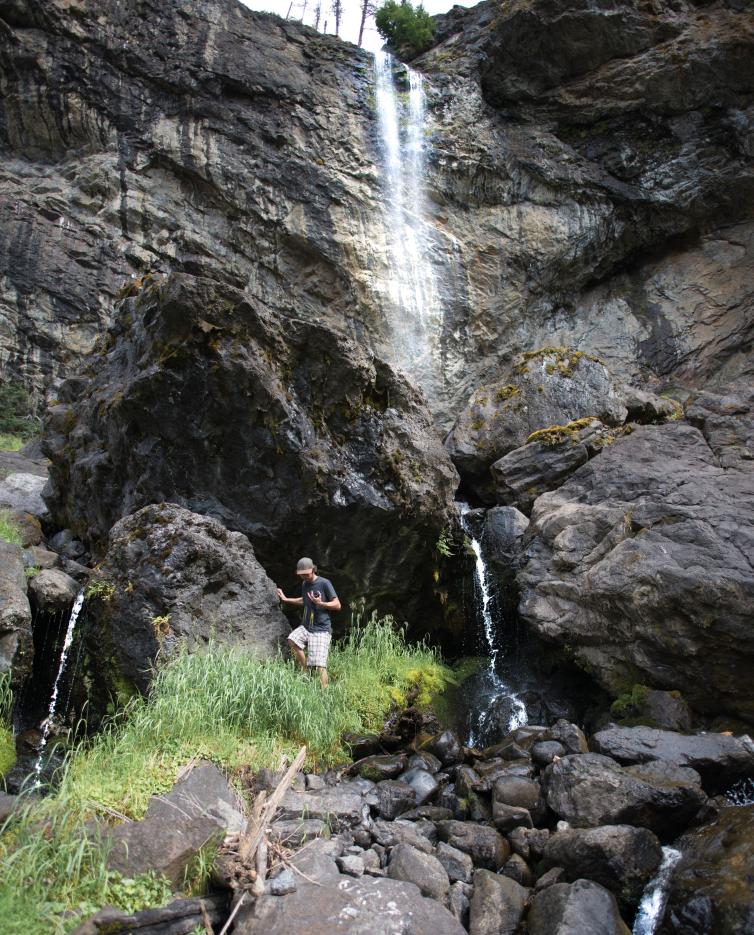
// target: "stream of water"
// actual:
[[655, 896], [46, 725]]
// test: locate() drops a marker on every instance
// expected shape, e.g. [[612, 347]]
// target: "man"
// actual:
[[318, 598]]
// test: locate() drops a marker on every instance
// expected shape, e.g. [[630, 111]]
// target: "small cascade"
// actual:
[[495, 691], [46, 725], [655, 896], [414, 312]]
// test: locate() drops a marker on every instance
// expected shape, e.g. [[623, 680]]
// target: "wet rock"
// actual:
[[203, 792], [458, 865], [516, 868], [392, 833], [16, 647], [710, 888], [445, 746], [503, 533], [486, 847], [651, 707], [571, 736], [517, 792], [447, 798], [424, 870], [497, 904], [66, 543], [282, 883], [544, 752], [509, 817], [381, 766], [530, 843], [619, 857], [466, 780], [53, 591], [622, 545], [580, 908], [422, 782], [23, 492], [393, 798], [428, 812], [425, 760], [175, 578], [718, 759], [551, 387], [362, 745], [459, 901], [295, 832], [590, 789]]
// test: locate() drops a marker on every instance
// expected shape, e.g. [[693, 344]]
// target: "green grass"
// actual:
[[222, 705], [8, 529], [12, 442], [7, 743]]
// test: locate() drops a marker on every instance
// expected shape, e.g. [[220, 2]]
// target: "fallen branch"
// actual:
[[232, 916]]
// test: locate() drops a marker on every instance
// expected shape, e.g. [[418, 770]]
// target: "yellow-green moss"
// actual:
[[565, 360], [506, 392], [7, 750], [556, 434]]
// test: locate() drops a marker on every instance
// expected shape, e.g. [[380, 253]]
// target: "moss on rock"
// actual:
[[556, 434]]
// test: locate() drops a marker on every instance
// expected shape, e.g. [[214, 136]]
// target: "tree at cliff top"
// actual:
[[405, 27]]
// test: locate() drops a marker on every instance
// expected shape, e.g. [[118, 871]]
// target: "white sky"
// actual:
[[351, 17]]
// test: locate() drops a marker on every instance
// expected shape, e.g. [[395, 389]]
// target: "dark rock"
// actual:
[[362, 745], [424, 870], [445, 746], [458, 865], [392, 833], [177, 578], [203, 792], [530, 843], [28, 527], [422, 782], [447, 798], [645, 407], [53, 591], [393, 798], [313, 782], [588, 790], [428, 829], [163, 845], [497, 904], [486, 847], [502, 537], [381, 766], [177, 918], [619, 857], [718, 759], [425, 760], [16, 646], [549, 388], [580, 908], [466, 780], [545, 751], [650, 531], [459, 901], [516, 792], [295, 832], [428, 812], [479, 809], [509, 817], [571, 736], [341, 809], [36, 557], [710, 888], [516, 868], [282, 883], [552, 876], [651, 707]]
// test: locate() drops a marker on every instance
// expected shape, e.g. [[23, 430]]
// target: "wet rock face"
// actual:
[[172, 577], [289, 433], [645, 551]]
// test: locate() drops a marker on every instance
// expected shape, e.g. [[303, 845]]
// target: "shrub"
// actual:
[[405, 27], [16, 417]]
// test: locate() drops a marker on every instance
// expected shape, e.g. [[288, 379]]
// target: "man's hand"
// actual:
[[281, 595], [316, 598]]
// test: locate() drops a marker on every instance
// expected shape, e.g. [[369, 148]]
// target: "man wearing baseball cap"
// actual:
[[318, 598]]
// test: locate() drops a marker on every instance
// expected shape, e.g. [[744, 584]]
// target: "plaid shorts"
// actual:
[[317, 645]]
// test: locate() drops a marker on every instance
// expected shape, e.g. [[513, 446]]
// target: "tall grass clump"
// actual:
[[7, 745], [8, 530]]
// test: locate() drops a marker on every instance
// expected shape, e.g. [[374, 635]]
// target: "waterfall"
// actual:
[[497, 689], [655, 896], [414, 312], [46, 725]]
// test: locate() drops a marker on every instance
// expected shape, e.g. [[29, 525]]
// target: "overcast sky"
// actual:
[[349, 27]]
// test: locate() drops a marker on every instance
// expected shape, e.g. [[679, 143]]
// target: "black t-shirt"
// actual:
[[317, 619]]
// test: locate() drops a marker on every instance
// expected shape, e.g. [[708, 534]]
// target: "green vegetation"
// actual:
[[444, 544], [556, 434], [404, 27], [101, 590], [17, 424], [7, 744], [32, 571], [8, 529], [222, 705]]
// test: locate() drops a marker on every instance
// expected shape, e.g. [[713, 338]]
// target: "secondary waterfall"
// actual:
[[655, 896], [496, 692], [46, 725], [413, 306]]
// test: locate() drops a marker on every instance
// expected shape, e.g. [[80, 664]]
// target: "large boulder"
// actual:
[[580, 908], [497, 904], [53, 591], [172, 578], [310, 446], [589, 790], [639, 566], [718, 758], [16, 646], [23, 492], [710, 889], [552, 386]]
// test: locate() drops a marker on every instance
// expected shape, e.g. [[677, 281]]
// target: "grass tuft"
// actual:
[[8, 529]]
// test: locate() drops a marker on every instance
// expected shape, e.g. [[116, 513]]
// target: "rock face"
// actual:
[[238, 146], [171, 577], [641, 561], [309, 445], [16, 647]]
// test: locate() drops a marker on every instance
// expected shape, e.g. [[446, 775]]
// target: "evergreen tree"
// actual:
[[405, 27]]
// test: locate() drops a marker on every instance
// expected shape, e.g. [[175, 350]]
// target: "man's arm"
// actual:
[[332, 604], [290, 600]]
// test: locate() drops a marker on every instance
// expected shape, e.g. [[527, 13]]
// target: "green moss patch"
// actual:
[[557, 434]]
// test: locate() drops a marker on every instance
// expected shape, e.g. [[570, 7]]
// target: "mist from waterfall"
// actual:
[[414, 311]]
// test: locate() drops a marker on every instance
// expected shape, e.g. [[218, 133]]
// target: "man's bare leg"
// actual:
[[298, 654], [323, 678]]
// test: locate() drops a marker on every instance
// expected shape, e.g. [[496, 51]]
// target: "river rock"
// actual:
[[23, 492], [553, 386], [459, 866], [425, 870], [16, 647], [580, 908], [486, 847], [422, 782], [394, 797], [641, 551], [171, 577], [590, 789], [459, 902], [53, 591], [719, 759], [529, 842], [516, 791], [392, 833], [28, 527], [619, 857], [544, 752], [710, 888], [425, 760], [445, 746], [178, 917], [381, 766], [570, 735], [497, 904], [516, 868]]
